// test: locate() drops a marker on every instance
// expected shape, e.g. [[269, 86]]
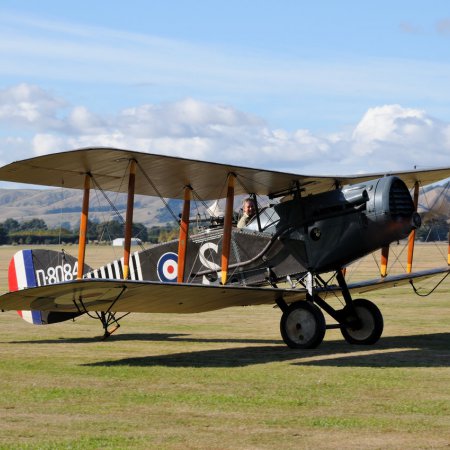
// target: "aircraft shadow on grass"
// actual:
[[427, 350], [151, 337], [430, 350]]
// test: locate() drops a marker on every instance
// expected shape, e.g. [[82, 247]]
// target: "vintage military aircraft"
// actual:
[[313, 225]]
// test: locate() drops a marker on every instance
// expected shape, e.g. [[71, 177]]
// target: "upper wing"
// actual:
[[138, 296], [167, 176]]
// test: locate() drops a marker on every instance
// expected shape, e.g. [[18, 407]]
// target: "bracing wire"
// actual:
[[112, 205], [443, 193], [397, 260], [61, 214], [397, 256], [175, 218]]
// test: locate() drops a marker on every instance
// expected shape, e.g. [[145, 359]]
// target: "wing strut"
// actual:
[[384, 261], [228, 221], [448, 253], [83, 226], [412, 235], [129, 219], [184, 234]]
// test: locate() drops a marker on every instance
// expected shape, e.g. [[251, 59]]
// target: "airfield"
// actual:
[[225, 379]]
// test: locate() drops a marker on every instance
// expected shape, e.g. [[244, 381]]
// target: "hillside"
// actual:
[[435, 203], [63, 206], [56, 206]]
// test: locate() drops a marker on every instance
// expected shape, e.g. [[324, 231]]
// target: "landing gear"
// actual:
[[302, 325], [363, 323]]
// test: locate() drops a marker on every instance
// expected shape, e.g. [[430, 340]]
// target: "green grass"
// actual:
[[225, 380]]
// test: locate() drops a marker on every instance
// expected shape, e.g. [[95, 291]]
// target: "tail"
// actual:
[[31, 268]]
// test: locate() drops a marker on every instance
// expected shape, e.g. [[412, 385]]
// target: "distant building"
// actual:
[[119, 242]]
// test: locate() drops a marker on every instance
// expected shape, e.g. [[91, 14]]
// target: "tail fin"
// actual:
[[31, 268]]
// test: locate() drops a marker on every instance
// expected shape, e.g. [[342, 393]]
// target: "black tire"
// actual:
[[368, 326], [302, 325]]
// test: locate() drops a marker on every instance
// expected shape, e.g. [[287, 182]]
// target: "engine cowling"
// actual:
[[332, 229]]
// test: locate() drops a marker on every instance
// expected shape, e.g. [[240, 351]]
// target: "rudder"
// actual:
[[32, 268]]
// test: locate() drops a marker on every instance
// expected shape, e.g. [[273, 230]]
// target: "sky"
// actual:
[[326, 87]]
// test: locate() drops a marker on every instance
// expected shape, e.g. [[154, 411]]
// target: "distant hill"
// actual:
[[63, 206], [57, 206], [435, 203]]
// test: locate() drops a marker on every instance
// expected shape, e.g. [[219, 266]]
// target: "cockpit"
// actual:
[[264, 221]]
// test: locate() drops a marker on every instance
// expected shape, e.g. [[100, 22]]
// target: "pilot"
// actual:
[[249, 210]]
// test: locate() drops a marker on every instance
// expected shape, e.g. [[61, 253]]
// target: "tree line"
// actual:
[[36, 231], [433, 230]]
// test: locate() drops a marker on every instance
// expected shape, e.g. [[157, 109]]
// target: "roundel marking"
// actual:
[[167, 267]]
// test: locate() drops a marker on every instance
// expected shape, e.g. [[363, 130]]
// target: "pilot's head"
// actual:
[[248, 207]]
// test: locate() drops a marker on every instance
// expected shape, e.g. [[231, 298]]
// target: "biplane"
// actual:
[[311, 225]]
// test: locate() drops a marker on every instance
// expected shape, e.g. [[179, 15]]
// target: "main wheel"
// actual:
[[302, 325], [366, 328]]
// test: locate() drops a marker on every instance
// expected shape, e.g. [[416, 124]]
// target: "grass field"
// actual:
[[225, 380]]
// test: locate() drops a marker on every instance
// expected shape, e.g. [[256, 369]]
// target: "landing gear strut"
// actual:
[[303, 324]]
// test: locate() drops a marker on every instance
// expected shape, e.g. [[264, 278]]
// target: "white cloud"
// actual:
[[26, 105], [44, 143], [399, 136], [13, 148], [389, 137], [183, 118], [81, 120]]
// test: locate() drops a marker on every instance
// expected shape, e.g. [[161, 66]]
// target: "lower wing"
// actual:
[[139, 296], [396, 280], [153, 297]]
